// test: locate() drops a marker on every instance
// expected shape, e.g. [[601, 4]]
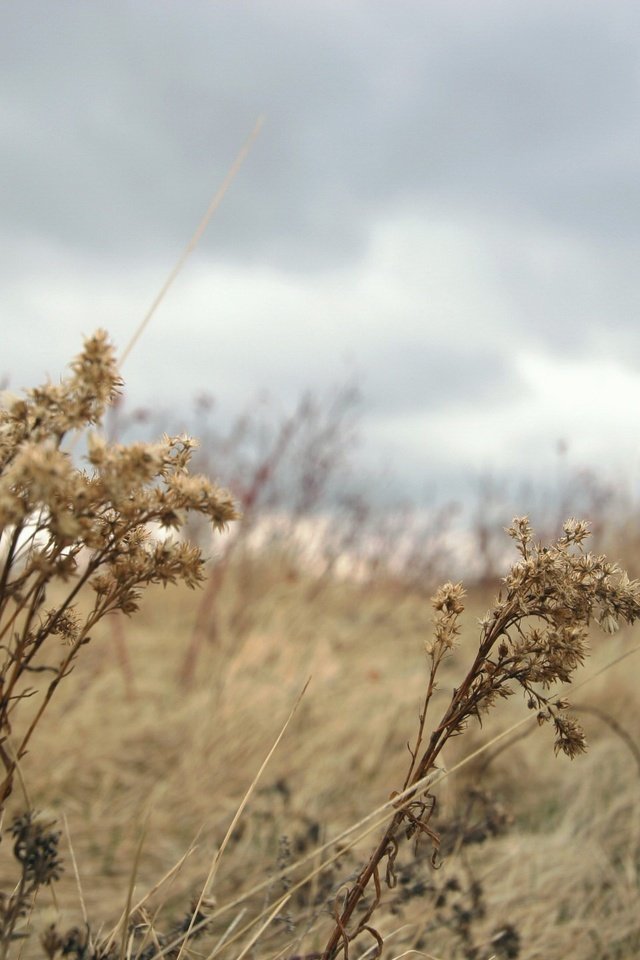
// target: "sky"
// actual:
[[442, 207]]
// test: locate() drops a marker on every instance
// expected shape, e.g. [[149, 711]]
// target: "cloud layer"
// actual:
[[444, 204]]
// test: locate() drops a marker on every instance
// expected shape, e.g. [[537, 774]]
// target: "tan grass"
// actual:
[[202, 750], [535, 855]]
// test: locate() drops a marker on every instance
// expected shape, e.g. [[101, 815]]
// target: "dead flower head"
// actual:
[[91, 523], [536, 635]]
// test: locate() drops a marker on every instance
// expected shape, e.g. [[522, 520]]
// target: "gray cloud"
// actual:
[[118, 121], [407, 376], [439, 189]]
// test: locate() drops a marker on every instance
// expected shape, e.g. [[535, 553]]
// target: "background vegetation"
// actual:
[[151, 745]]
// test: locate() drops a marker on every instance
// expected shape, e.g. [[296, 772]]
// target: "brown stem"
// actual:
[[357, 892], [458, 708]]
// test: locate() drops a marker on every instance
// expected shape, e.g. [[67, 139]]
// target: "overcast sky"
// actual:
[[443, 206]]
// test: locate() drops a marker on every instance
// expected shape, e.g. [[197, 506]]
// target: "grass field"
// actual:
[[216, 772], [556, 852]]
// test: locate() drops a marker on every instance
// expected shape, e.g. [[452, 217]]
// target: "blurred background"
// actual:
[[440, 218]]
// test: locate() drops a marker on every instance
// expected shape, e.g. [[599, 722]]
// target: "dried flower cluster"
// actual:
[[143, 940], [83, 526], [535, 637], [35, 848]]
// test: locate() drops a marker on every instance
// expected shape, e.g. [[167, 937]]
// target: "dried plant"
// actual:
[[142, 939], [79, 542], [65, 527], [289, 471], [35, 848], [534, 637]]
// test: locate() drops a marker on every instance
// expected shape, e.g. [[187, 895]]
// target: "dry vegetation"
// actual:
[[149, 747]]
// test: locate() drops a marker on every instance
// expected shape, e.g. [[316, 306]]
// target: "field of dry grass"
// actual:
[[540, 854], [219, 774]]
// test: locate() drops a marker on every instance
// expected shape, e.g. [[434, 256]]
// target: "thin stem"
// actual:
[[460, 706], [7, 565]]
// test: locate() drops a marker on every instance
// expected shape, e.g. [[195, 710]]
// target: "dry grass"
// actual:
[[513, 853], [564, 874]]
